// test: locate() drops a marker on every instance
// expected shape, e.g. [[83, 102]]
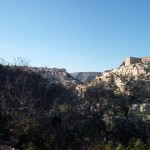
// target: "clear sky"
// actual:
[[79, 35]]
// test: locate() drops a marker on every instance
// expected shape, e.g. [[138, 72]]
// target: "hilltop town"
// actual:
[[132, 66]]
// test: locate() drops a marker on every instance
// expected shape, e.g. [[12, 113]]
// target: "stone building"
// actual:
[[132, 60], [146, 60]]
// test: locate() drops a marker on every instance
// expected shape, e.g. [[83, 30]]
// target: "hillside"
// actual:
[[136, 67], [47, 108], [29, 102], [56, 75]]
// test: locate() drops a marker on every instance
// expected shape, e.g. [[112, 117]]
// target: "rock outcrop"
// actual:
[[56, 75], [132, 67]]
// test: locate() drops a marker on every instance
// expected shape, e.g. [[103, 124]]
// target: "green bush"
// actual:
[[137, 144], [120, 147]]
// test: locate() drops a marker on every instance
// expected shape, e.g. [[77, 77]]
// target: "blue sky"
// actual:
[[79, 35]]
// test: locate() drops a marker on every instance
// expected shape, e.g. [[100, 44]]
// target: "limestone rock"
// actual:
[[109, 122], [146, 117], [135, 109], [145, 108]]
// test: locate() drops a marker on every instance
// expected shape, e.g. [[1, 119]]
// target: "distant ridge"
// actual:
[[85, 76]]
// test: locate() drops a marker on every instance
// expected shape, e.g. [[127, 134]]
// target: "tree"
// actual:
[[136, 90]]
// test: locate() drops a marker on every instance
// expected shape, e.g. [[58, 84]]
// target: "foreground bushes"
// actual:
[[38, 115]]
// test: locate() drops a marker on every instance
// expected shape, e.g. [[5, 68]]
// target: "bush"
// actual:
[[120, 147], [137, 144], [30, 146]]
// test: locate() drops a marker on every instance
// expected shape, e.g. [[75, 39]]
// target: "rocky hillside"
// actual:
[[134, 67], [132, 78], [85, 76], [47, 108], [29, 104], [56, 75]]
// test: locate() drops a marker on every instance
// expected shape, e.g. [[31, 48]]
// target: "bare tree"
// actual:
[[17, 95]]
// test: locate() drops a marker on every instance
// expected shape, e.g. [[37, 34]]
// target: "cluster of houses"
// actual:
[[132, 67]]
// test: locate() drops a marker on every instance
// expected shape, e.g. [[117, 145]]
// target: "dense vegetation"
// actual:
[[37, 115]]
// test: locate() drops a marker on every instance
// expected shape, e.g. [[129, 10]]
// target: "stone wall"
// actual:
[[135, 69], [146, 60], [132, 60]]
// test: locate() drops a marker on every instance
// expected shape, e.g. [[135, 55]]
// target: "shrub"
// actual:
[[137, 144]]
